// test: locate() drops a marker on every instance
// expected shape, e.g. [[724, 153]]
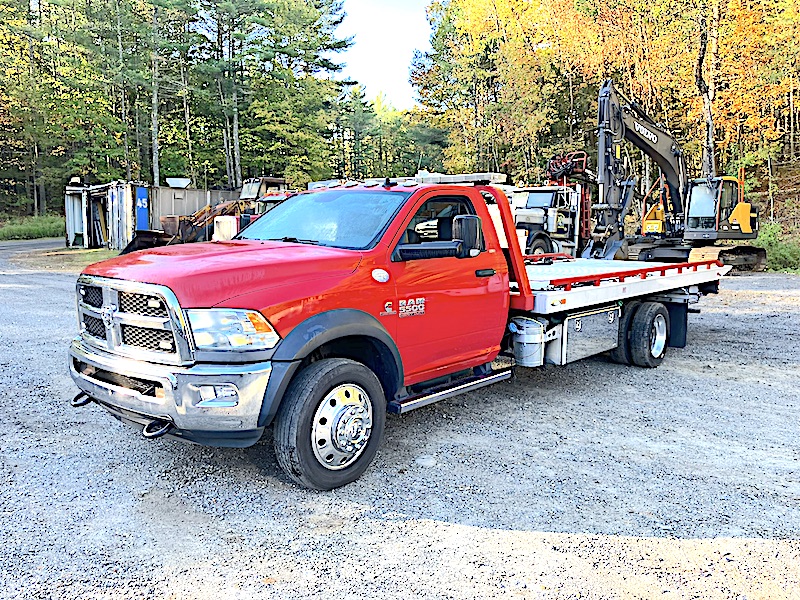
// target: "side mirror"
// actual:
[[467, 229]]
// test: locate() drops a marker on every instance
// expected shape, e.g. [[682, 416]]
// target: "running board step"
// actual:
[[400, 407]]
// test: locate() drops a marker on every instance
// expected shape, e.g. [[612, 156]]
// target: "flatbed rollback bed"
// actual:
[[329, 334]]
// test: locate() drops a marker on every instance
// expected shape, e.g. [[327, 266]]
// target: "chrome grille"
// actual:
[[142, 304], [137, 320], [94, 326], [92, 295], [154, 340]]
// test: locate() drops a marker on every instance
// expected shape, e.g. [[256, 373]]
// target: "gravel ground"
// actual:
[[589, 481]]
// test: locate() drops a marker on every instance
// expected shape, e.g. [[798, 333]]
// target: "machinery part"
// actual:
[[330, 423], [156, 429], [741, 258], [562, 166], [622, 353], [618, 119], [539, 245], [187, 228], [649, 335]]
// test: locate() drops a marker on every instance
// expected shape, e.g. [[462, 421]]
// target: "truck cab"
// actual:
[[204, 340], [551, 217]]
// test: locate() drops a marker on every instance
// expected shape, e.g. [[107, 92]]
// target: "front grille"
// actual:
[[92, 295], [132, 319], [143, 386], [94, 326], [142, 304], [154, 340]]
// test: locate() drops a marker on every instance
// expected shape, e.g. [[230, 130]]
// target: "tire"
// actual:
[[622, 353], [649, 335], [539, 246], [330, 423]]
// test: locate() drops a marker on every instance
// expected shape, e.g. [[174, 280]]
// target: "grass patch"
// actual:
[[68, 260], [31, 228], [783, 251]]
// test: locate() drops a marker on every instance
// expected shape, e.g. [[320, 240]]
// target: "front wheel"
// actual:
[[538, 246], [330, 423]]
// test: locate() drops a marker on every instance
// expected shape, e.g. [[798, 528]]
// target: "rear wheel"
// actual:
[[649, 334], [622, 353], [330, 423]]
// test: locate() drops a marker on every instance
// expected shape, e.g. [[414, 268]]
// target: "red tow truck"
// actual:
[[332, 310]]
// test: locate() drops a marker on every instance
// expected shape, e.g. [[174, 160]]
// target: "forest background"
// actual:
[[222, 90]]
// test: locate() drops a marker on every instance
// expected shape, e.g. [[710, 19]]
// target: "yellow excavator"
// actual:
[[689, 217], [717, 211]]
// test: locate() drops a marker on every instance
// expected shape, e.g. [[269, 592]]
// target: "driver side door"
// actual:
[[451, 311]]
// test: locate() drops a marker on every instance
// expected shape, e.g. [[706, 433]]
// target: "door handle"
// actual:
[[485, 272]]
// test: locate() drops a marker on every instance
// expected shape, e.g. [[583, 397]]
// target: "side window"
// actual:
[[433, 222], [728, 198]]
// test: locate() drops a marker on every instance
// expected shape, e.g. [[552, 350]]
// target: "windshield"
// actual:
[[539, 200], [703, 200], [353, 219]]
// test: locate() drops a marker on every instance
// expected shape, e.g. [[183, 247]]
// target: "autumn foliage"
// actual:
[[516, 81]]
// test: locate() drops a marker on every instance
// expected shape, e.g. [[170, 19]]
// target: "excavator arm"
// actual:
[[619, 119]]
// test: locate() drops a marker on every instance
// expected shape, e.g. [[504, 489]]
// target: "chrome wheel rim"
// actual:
[[658, 336], [342, 426]]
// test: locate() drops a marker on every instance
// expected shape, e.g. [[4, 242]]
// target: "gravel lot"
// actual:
[[590, 481]]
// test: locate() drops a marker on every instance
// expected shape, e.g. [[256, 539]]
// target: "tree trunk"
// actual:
[[139, 157], [226, 127], [707, 88], [154, 104], [792, 121], [123, 99], [237, 153], [187, 122], [34, 183], [226, 140]]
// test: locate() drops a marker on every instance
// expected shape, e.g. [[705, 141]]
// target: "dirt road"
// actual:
[[590, 481]]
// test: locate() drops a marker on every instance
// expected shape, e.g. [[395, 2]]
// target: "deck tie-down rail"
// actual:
[[621, 276]]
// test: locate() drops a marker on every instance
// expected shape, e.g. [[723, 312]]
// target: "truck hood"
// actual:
[[205, 274]]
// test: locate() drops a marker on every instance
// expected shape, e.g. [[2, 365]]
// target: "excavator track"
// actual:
[[741, 258]]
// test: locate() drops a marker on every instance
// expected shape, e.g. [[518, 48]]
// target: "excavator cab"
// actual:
[[718, 211]]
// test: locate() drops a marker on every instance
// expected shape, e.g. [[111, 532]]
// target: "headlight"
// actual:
[[230, 329]]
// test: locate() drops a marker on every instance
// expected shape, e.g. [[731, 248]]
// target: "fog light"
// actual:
[[218, 396]]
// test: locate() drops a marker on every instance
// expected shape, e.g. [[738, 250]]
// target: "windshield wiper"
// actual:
[[293, 240]]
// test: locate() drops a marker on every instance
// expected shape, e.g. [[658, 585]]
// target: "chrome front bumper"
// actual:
[[177, 397]]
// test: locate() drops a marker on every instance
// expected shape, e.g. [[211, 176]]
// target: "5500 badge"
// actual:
[[410, 307]]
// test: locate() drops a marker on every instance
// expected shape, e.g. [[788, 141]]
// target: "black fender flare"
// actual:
[[311, 334]]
